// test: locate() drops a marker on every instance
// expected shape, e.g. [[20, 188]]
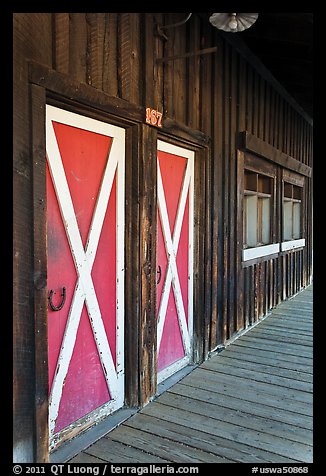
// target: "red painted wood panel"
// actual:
[[84, 155]]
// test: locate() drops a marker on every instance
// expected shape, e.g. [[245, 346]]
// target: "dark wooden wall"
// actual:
[[220, 94], [32, 40]]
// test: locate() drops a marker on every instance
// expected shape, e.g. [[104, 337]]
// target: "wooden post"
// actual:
[[147, 262], [40, 275], [240, 322], [206, 191]]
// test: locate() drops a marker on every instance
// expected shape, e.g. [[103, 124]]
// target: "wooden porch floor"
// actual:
[[251, 403]]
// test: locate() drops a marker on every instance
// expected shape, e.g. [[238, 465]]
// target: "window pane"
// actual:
[[266, 220], [287, 220], [296, 220], [251, 220]]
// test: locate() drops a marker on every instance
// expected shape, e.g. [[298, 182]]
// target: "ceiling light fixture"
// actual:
[[233, 22], [230, 22]]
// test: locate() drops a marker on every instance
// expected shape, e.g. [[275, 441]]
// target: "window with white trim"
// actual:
[[292, 210], [257, 209]]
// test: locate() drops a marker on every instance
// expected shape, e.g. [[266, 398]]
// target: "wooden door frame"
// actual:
[[47, 86], [50, 87]]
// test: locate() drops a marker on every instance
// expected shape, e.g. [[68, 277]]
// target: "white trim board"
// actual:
[[293, 244], [172, 369], [174, 149], [260, 251]]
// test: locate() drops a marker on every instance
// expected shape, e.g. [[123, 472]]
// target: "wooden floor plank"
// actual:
[[275, 356], [252, 395], [284, 319], [162, 447], [247, 353], [218, 378], [305, 301], [297, 308], [237, 417], [268, 325], [296, 313], [292, 321], [279, 346], [236, 402], [282, 447], [228, 449], [298, 317], [181, 434], [265, 326], [112, 451], [237, 361], [254, 374], [250, 403], [277, 336], [282, 352]]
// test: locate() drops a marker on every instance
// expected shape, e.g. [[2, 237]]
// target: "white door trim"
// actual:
[[171, 245]]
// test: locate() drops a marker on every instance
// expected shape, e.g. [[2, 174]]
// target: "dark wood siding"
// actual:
[[221, 94], [32, 39]]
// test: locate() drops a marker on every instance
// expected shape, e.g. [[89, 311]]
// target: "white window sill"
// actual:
[[259, 251], [291, 245]]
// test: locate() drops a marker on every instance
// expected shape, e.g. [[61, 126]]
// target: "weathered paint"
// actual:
[[85, 188], [175, 257]]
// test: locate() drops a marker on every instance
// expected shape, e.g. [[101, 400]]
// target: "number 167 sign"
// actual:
[[153, 117]]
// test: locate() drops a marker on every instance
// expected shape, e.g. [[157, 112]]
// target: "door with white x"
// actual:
[[175, 181], [85, 212]]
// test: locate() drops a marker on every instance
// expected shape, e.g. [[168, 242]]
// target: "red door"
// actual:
[[85, 210], [175, 258]]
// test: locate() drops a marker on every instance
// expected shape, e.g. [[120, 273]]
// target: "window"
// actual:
[[257, 209], [270, 201], [292, 199], [292, 235]]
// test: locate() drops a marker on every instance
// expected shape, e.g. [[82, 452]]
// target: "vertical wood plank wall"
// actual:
[[219, 94], [32, 39]]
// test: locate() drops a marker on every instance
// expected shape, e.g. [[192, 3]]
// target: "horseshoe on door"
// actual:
[[63, 300]]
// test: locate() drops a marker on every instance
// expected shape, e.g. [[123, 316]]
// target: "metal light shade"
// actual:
[[233, 22]]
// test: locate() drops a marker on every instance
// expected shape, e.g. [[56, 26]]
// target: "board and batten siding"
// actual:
[[208, 98]]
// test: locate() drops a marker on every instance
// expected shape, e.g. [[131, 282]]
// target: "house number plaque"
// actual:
[[153, 117]]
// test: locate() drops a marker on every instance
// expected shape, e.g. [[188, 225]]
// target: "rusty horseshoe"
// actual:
[[63, 295]]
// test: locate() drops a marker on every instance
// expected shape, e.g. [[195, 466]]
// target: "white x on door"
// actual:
[[85, 210], [175, 180]]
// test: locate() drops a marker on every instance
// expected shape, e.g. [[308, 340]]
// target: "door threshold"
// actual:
[[80, 442], [174, 378]]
